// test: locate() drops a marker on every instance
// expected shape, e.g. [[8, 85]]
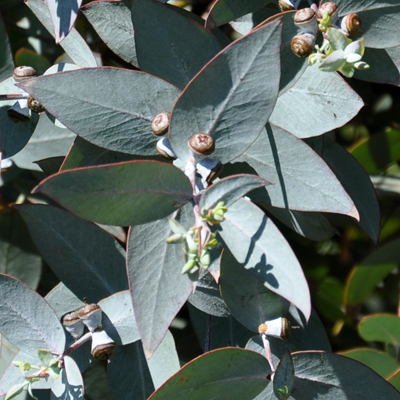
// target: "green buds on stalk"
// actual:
[[215, 215]]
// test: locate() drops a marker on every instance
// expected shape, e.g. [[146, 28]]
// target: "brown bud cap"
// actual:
[[286, 328], [103, 351], [160, 123], [332, 9], [23, 72], [303, 45], [351, 24], [304, 16], [91, 316], [35, 106], [201, 144], [71, 318]]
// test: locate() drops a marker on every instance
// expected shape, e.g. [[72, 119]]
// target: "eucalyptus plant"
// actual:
[[244, 146]]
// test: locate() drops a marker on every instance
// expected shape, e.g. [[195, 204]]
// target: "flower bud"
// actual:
[[351, 24], [164, 148], [103, 346], [303, 45], [160, 123], [201, 144], [73, 324], [306, 20], [91, 316]]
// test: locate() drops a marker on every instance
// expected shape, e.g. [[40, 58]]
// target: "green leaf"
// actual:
[[284, 377], [380, 20], [317, 103], [380, 328], [74, 45], [63, 15], [256, 243], [86, 154], [216, 332], [249, 301], [27, 320], [156, 281], [379, 361], [302, 180], [395, 379], [223, 374], [97, 104], [164, 362], [48, 140], [128, 193], [70, 384], [221, 113], [18, 256], [224, 11], [170, 45], [379, 151], [338, 377], [119, 320], [230, 189], [89, 261], [207, 297], [6, 58], [357, 184], [364, 277], [112, 20], [14, 135], [128, 373], [384, 66], [16, 390]]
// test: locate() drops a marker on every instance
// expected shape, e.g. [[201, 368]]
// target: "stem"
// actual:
[[17, 96], [268, 353], [87, 336]]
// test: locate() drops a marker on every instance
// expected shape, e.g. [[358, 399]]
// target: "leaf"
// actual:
[[357, 184], [378, 19], [249, 301], [18, 256], [223, 374], [119, 320], [317, 103], [14, 135], [379, 151], [86, 154], [74, 45], [174, 56], [224, 11], [96, 104], [384, 66], [380, 328], [63, 15], [164, 362], [302, 180], [47, 141], [256, 243], [62, 300], [128, 193], [27, 320], [69, 386], [89, 261], [207, 297], [128, 373], [284, 376], [337, 377], [112, 20], [15, 390], [364, 277], [216, 332], [157, 286], [377, 360], [221, 113], [230, 189], [30, 57], [6, 58]]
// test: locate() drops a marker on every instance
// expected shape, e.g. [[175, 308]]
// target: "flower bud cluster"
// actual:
[[215, 215]]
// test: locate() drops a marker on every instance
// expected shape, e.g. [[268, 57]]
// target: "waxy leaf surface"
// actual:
[[112, 108], [175, 56], [74, 45], [70, 383], [224, 374], [88, 260], [249, 301], [317, 103], [258, 245], [128, 193], [235, 114], [284, 376], [301, 179], [157, 285], [224, 11], [26, 320], [112, 20], [63, 15]]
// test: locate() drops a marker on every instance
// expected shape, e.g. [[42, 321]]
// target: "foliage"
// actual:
[[117, 242]]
